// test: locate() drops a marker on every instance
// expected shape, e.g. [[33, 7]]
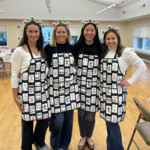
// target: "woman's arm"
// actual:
[[131, 58], [16, 61]]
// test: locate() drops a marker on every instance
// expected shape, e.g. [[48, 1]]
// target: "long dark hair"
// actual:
[[40, 41], [80, 43], [120, 47]]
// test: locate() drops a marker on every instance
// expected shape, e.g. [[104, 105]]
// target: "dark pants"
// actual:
[[38, 136], [114, 139], [61, 130], [86, 123]]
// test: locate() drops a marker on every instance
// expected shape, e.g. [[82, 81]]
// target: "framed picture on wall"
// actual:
[[3, 39], [3, 35], [74, 39]]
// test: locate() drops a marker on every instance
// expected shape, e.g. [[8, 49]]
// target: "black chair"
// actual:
[[8, 64], [142, 127], [2, 67]]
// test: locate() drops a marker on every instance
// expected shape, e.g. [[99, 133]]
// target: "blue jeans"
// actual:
[[86, 122], [38, 135], [61, 130], [114, 139]]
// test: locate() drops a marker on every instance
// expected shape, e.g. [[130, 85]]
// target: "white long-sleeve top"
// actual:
[[20, 61], [129, 57]]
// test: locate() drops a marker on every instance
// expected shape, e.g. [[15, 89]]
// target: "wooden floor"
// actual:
[[10, 123]]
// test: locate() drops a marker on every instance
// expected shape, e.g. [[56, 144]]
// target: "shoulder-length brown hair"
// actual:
[[120, 47]]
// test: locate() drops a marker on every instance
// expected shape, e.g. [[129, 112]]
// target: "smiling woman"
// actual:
[[87, 51], [63, 89], [114, 63], [32, 102], [32, 33]]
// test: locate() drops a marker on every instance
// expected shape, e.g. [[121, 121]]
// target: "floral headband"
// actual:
[[60, 22], [89, 21], [32, 19], [110, 27]]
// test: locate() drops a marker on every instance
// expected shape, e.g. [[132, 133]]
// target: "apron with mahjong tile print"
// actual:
[[112, 97], [63, 89], [33, 91], [88, 81]]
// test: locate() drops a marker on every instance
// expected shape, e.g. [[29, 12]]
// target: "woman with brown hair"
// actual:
[[113, 84], [31, 93]]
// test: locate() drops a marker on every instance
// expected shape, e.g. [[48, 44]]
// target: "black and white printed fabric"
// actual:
[[33, 91], [88, 79], [63, 89], [112, 96]]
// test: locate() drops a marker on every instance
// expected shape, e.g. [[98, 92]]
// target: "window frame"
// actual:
[[140, 35]]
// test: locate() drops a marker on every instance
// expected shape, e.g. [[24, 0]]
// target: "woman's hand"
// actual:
[[19, 75], [123, 83], [19, 104]]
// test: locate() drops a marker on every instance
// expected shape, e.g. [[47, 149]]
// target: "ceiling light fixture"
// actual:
[[121, 2], [48, 4], [111, 6]]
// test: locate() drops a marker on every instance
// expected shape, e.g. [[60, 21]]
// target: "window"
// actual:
[[142, 44], [142, 38], [3, 35], [102, 29], [138, 43], [146, 44], [47, 32], [74, 39]]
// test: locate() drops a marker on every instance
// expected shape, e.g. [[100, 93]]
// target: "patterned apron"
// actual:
[[88, 81], [33, 91], [63, 89], [112, 97]]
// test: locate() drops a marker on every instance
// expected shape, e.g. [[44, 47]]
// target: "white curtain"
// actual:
[[142, 31]]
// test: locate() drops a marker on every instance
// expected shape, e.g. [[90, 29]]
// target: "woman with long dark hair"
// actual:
[[88, 49], [31, 92]]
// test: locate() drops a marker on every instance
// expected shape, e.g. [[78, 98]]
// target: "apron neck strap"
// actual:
[[106, 52], [30, 50]]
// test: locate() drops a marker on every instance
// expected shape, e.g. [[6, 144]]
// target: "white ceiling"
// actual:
[[74, 9]]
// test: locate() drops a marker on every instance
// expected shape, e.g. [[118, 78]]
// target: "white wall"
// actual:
[[126, 29], [15, 29], [130, 28]]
